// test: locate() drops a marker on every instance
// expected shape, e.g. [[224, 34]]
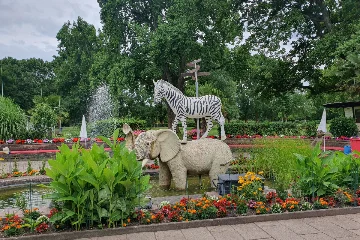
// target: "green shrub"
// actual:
[[107, 127], [43, 118], [343, 126], [12, 119], [322, 173], [310, 128], [89, 184], [276, 159], [271, 128]]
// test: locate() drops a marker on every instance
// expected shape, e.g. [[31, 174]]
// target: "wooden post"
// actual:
[[193, 73]]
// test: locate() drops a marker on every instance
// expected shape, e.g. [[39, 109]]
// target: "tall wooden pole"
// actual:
[[197, 95]]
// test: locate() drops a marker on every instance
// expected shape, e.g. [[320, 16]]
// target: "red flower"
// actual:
[[2, 141], [18, 141], [42, 227], [40, 141], [75, 139]]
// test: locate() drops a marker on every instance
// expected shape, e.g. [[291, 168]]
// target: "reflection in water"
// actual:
[[8, 196]]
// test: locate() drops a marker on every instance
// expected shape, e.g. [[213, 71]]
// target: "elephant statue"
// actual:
[[176, 160]]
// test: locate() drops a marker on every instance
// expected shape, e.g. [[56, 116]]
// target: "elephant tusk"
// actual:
[[144, 162]]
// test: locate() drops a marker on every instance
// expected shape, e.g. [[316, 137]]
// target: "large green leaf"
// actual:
[[90, 179], [60, 187]]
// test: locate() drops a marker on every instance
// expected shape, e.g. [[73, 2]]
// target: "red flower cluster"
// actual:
[[222, 205], [19, 141], [58, 140], [53, 211], [42, 227], [152, 166]]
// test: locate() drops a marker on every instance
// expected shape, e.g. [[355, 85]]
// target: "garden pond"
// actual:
[[196, 185]]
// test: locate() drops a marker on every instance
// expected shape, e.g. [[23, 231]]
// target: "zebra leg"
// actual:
[[174, 125], [221, 120], [209, 126], [183, 122]]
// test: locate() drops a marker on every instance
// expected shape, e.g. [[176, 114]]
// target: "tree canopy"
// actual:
[[269, 60]]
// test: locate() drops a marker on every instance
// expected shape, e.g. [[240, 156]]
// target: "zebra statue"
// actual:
[[208, 106]]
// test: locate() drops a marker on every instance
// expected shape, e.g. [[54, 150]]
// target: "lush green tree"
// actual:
[[313, 29], [43, 118], [153, 40], [23, 79], [345, 69], [78, 44], [12, 119]]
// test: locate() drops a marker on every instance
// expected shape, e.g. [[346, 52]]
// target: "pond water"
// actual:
[[196, 185], [8, 196]]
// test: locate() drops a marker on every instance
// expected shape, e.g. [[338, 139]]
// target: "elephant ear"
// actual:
[[169, 144], [129, 138]]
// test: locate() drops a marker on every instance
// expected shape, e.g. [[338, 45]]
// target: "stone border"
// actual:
[[191, 224], [23, 181]]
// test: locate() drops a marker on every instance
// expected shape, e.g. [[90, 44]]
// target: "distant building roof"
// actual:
[[342, 104]]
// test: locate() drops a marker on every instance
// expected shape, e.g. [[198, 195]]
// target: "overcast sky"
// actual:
[[28, 28]]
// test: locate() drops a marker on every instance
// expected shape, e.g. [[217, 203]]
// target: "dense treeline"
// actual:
[[269, 60]]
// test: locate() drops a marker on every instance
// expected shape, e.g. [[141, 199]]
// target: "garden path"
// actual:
[[340, 227]]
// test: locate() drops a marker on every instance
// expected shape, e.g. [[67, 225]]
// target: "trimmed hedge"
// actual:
[[271, 128], [343, 126], [107, 127]]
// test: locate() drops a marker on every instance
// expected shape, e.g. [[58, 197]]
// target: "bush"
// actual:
[[89, 184], [107, 127], [43, 118], [322, 173], [343, 126], [12, 119], [271, 128]]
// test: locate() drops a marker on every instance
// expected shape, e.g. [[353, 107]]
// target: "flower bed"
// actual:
[[186, 210]]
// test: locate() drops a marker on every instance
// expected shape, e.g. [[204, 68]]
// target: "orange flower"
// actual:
[[18, 226], [35, 209], [124, 224], [128, 220], [6, 227], [148, 220]]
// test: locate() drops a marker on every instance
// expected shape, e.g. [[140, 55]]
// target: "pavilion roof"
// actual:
[[342, 104]]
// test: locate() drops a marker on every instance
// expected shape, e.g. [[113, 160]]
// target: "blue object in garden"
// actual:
[[347, 149]]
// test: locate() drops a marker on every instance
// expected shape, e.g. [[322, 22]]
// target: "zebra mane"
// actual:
[[169, 85]]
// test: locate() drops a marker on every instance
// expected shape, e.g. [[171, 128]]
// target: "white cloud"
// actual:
[[29, 27]]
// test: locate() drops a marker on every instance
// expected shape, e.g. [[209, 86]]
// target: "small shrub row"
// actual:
[[271, 128]]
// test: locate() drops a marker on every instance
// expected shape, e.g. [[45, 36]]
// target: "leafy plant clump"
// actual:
[[91, 184], [12, 119], [43, 117], [322, 173], [343, 126]]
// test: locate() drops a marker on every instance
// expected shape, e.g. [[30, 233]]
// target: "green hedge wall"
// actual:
[[271, 128], [107, 127]]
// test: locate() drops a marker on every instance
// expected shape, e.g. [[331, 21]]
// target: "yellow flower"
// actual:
[[260, 189], [254, 193], [2, 159], [261, 173]]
